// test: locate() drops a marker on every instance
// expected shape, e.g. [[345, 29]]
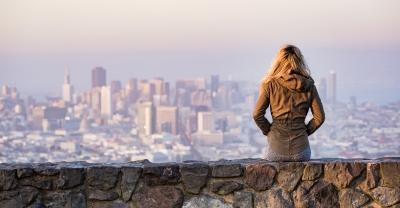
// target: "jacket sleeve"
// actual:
[[261, 106], [317, 111]]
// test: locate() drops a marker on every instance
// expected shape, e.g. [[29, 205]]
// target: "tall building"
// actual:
[[68, 90], [132, 92], [205, 121], [214, 83], [332, 87], [107, 108], [145, 118], [95, 100], [98, 77], [167, 119], [5, 90], [147, 90], [116, 86]]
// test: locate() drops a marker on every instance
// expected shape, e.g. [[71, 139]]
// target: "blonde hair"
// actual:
[[289, 58]]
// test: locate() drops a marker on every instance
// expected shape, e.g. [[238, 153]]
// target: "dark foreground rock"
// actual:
[[241, 183]]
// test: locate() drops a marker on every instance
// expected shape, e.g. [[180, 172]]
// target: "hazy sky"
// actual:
[[360, 40]]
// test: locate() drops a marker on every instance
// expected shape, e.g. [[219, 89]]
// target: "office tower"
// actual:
[[53, 118], [214, 83], [205, 121], [161, 91], [98, 77], [147, 90], [322, 89], [68, 90], [332, 87], [200, 83], [95, 99], [115, 86], [145, 118], [167, 119], [107, 109], [158, 85], [5, 90], [131, 90], [132, 84], [201, 98]]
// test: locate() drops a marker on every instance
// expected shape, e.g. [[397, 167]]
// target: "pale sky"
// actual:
[[184, 38]]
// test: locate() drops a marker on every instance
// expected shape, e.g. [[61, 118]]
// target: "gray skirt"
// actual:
[[288, 141], [305, 155]]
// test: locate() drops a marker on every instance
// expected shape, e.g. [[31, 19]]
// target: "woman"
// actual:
[[290, 92]]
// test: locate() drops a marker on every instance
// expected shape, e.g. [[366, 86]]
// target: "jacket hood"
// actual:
[[295, 81]]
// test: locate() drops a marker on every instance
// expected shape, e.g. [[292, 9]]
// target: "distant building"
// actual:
[[98, 77], [214, 83], [5, 90], [167, 119], [54, 118], [95, 99], [147, 90], [115, 86], [131, 91], [332, 87], [107, 108], [68, 90], [205, 121], [201, 97], [145, 118]]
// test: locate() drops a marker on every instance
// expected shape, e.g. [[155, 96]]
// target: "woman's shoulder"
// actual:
[[269, 84]]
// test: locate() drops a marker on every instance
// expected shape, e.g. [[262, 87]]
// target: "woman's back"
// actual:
[[290, 96], [290, 92]]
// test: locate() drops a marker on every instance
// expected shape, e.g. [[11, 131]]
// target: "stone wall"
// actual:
[[224, 183]]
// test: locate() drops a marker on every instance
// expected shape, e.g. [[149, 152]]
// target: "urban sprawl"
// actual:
[[194, 119]]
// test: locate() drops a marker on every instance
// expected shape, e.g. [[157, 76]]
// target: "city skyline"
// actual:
[[202, 118], [169, 81]]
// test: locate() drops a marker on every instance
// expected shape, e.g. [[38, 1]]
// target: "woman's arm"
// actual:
[[260, 108], [317, 110]]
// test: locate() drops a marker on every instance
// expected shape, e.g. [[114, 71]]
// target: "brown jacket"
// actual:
[[289, 97]]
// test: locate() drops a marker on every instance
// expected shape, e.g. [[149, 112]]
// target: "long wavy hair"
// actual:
[[289, 59]]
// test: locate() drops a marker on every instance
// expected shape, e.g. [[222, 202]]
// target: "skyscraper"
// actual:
[[107, 108], [145, 118], [205, 121], [68, 90], [214, 83], [98, 77], [332, 87], [167, 119]]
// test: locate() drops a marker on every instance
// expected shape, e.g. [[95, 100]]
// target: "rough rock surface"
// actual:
[[342, 173], [226, 169], [194, 176], [205, 201], [312, 171], [158, 197], [389, 178], [373, 176], [352, 198], [103, 178], [243, 199], [129, 179], [386, 196], [225, 187], [275, 197], [224, 183], [260, 177], [289, 175], [161, 174]]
